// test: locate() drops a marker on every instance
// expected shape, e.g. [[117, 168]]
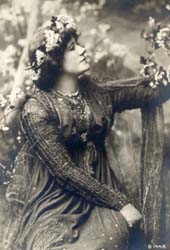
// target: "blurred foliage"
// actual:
[[152, 6], [136, 6]]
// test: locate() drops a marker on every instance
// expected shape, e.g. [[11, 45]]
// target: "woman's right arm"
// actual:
[[47, 140]]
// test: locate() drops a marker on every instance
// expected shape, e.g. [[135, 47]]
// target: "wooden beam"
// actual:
[[151, 171]]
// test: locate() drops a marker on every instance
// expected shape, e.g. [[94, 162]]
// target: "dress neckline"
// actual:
[[75, 94]]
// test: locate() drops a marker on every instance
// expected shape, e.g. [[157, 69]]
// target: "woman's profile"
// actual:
[[64, 186]]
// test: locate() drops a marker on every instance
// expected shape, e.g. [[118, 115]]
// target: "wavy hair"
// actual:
[[52, 66]]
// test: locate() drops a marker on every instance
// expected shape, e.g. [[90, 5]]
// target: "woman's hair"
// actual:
[[47, 49]]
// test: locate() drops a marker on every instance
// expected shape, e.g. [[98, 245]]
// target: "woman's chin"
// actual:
[[81, 70], [85, 68]]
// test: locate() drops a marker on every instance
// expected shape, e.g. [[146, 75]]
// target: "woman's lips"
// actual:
[[83, 59]]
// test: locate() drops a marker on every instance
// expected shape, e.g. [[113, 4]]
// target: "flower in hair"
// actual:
[[52, 40], [168, 74], [35, 74], [40, 57], [65, 19], [59, 26], [71, 26]]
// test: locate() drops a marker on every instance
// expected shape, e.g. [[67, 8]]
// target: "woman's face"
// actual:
[[74, 61]]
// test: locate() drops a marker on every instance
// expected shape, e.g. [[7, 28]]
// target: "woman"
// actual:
[[64, 184]]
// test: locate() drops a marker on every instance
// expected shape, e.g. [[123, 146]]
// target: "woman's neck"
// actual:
[[67, 84]]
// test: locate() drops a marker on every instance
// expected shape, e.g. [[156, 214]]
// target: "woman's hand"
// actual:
[[131, 214]]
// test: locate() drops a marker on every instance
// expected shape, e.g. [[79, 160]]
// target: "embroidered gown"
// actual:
[[64, 184]]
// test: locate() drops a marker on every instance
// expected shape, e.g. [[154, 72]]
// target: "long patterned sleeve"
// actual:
[[137, 94], [45, 136]]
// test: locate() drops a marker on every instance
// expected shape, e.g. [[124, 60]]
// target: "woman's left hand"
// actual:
[[131, 214]]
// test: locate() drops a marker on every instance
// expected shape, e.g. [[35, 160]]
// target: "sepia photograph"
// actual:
[[84, 124]]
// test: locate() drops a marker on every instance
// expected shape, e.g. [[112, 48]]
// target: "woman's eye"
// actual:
[[72, 47]]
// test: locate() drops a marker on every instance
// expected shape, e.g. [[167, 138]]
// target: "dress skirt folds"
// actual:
[[54, 219], [66, 190]]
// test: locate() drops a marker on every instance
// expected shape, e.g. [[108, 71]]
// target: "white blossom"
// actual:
[[151, 21], [102, 3], [59, 26], [40, 57], [142, 72], [3, 101], [162, 37], [10, 50], [104, 27], [65, 19], [99, 55], [93, 31], [110, 63], [7, 59], [71, 26], [168, 73], [118, 50], [106, 41], [157, 76], [35, 76], [152, 84], [4, 128], [52, 39], [83, 9], [22, 42], [19, 93], [165, 82], [78, 18], [167, 6]]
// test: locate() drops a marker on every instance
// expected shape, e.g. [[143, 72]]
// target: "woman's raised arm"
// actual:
[[136, 93], [46, 138]]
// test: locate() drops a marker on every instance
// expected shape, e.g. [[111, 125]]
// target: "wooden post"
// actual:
[[152, 151], [151, 171]]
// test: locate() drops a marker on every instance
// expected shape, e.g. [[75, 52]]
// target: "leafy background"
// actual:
[[111, 33]]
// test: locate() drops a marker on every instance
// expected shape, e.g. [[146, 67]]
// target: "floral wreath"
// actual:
[[53, 34]]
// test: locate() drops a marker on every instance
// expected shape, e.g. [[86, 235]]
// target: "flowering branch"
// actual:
[[158, 37]]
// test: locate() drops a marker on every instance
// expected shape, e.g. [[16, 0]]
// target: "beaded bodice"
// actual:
[[76, 109], [76, 125]]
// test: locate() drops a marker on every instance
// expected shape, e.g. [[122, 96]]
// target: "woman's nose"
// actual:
[[81, 50]]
